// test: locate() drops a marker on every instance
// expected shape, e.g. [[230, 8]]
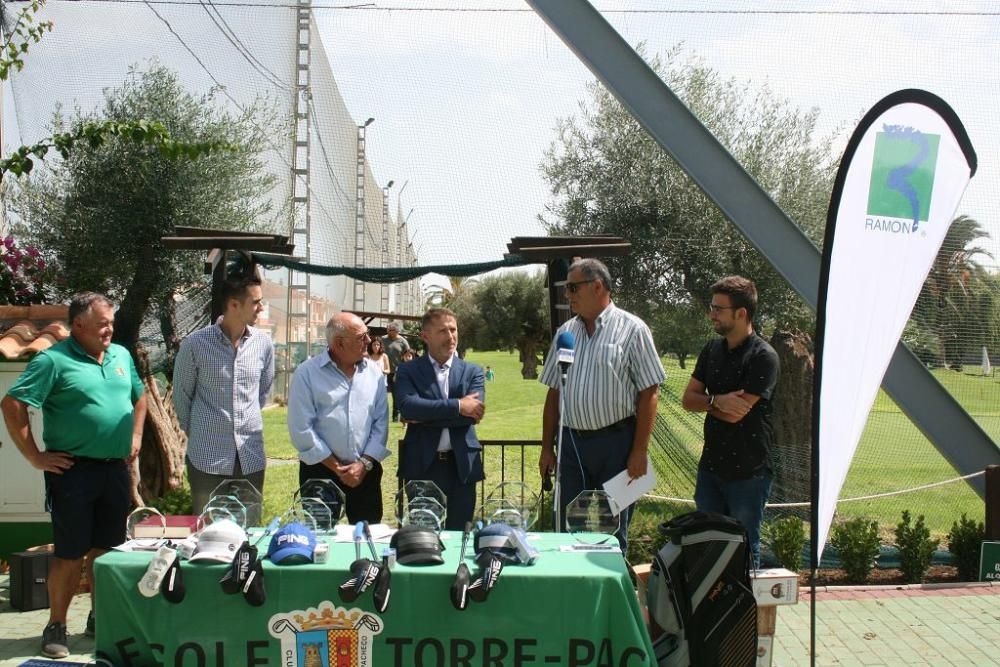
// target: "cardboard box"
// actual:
[[764, 651], [775, 586]]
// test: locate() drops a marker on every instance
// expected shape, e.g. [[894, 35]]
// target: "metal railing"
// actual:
[[493, 449]]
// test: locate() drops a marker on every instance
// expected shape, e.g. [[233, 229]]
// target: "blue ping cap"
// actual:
[[292, 544]]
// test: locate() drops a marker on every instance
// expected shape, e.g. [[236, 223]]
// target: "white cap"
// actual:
[[219, 541]]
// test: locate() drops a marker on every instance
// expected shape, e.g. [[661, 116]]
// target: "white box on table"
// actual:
[[775, 586]]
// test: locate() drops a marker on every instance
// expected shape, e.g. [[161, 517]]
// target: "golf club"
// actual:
[[363, 571], [460, 587], [380, 594]]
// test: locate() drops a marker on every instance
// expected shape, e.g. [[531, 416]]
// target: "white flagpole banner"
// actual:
[[899, 184]]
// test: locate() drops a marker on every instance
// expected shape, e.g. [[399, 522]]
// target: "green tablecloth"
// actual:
[[571, 609]]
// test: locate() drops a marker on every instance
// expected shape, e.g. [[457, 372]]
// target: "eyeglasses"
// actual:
[[718, 309], [573, 287], [360, 338]]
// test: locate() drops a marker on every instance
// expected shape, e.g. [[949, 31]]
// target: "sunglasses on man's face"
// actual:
[[573, 287]]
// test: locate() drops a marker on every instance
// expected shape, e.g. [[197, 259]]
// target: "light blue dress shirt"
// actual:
[[329, 413]]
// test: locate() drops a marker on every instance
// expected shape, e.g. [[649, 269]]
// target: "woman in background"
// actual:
[[378, 356]]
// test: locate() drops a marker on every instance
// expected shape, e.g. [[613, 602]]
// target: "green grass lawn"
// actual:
[[892, 454]]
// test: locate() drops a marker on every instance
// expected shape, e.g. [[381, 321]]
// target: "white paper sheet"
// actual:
[[624, 491]]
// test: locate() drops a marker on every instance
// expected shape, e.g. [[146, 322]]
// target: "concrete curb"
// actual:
[[971, 586]]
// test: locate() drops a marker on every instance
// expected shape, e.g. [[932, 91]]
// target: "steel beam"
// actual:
[[707, 162]]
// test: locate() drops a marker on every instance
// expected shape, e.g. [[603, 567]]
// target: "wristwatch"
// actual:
[[367, 463]]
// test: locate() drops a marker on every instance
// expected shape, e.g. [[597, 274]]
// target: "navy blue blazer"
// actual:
[[419, 399]]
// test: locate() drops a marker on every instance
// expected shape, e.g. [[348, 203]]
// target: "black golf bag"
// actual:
[[701, 606]]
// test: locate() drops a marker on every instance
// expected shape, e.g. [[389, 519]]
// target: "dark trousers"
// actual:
[[390, 381], [363, 502], [461, 497], [742, 499], [203, 484], [591, 458]]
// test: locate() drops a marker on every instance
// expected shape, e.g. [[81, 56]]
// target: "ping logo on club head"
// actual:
[[902, 180]]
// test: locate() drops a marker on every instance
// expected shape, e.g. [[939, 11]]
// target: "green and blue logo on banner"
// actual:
[[902, 179]]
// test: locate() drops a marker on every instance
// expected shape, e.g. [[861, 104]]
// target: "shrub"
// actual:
[[644, 537], [916, 548], [965, 543], [857, 543], [786, 537], [177, 501]]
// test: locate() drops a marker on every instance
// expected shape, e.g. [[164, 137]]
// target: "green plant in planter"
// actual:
[[965, 542], [857, 543], [916, 548], [786, 537]]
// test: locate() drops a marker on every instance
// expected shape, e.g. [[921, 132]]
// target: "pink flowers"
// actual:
[[23, 274]]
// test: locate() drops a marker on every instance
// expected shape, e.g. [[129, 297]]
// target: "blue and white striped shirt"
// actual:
[[329, 413], [609, 369], [218, 393]]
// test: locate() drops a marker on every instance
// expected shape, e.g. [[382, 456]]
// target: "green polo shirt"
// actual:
[[86, 406]]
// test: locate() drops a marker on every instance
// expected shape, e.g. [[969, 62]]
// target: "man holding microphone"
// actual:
[[611, 391]]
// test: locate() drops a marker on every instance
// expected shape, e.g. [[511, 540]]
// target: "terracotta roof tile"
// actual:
[[27, 330]]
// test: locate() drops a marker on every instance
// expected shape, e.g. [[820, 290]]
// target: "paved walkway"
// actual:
[[930, 625], [874, 626]]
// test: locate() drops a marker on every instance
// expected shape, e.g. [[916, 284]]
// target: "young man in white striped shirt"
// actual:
[[611, 390], [222, 376]]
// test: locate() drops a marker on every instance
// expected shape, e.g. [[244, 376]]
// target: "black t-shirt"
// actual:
[[741, 450]]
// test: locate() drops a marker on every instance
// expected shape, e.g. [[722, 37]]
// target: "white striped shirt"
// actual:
[[609, 369], [218, 393]]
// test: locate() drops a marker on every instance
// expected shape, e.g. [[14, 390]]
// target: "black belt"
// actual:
[[88, 459], [446, 455], [617, 426]]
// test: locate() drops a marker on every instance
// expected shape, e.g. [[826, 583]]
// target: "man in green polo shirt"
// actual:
[[93, 410]]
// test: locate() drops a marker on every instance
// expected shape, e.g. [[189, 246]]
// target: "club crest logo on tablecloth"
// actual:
[[326, 636]]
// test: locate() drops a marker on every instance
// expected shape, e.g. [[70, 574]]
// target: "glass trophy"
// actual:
[[513, 503], [249, 497], [145, 528], [591, 520], [299, 513], [421, 503], [222, 507], [323, 501]]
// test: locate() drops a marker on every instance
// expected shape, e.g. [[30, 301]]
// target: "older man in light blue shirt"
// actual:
[[338, 418]]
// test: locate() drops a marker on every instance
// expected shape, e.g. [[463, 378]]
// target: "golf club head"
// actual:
[[363, 574], [489, 573], [460, 587], [380, 593], [239, 570]]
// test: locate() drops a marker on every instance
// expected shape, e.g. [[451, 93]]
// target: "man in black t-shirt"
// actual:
[[733, 381]]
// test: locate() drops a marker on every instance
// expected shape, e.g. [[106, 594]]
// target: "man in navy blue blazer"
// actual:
[[441, 398]]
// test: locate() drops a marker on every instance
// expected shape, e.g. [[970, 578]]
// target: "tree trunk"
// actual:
[[160, 465], [168, 328], [792, 418], [681, 359], [528, 350], [128, 319]]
